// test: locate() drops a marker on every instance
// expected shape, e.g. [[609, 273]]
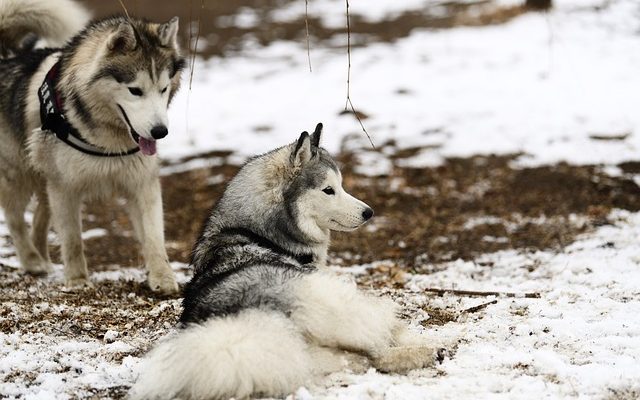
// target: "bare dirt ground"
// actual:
[[422, 219]]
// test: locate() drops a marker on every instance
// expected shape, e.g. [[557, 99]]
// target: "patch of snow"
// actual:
[[484, 220], [110, 336], [370, 163], [579, 340], [94, 233], [191, 165]]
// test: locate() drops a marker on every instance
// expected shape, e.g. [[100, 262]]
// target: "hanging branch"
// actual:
[[190, 26], [195, 45], [349, 103], [306, 25], [125, 9], [192, 56]]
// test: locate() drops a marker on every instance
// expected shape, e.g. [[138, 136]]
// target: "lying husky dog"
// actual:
[[262, 314], [101, 103]]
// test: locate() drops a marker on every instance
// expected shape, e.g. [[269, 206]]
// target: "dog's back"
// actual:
[[243, 270]]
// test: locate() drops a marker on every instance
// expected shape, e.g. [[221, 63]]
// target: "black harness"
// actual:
[[266, 243], [53, 119]]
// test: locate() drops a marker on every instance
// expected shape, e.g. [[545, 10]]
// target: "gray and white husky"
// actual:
[[262, 314], [81, 121]]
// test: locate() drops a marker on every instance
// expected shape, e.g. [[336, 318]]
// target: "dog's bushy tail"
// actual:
[[54, 21], [255, 352]]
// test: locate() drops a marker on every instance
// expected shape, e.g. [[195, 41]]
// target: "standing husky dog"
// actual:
[[262, 315], [101, 101]]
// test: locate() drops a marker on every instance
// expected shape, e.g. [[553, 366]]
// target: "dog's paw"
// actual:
[[78, 284], [164, 283], [441, 355], [35, 265], [39, 269], [405, 358]]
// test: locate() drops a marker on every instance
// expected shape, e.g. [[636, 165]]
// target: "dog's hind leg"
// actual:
[[65, 210], [15, 204], [40, 228], [145, 210]]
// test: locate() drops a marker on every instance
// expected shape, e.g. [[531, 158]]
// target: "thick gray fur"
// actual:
[[249, 251]]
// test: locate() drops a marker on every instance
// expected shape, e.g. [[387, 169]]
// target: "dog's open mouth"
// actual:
[[147, 146]]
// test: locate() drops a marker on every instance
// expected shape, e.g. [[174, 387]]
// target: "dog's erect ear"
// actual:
[[123, 39], [315, 137], [302, 152], [168, 33]]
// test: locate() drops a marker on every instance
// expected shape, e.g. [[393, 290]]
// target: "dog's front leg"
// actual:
[[145, 211], [333, 312], [40, 227], [65, 210]]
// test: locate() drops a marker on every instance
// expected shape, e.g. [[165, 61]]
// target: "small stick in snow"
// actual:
[[477, 293], [478, 307]]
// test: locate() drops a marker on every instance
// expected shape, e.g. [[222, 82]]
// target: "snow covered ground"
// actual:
[[579, 340], [562, 86], [542, 84]]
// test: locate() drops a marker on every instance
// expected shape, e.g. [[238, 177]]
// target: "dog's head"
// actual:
[[130, 76], [293, 195], [321, 203]]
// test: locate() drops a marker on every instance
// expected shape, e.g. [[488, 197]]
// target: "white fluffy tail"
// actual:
[[253, 353], [54, 21]]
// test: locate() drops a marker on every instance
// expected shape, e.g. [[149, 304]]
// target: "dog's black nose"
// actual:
[[367, 214], [159, 131]]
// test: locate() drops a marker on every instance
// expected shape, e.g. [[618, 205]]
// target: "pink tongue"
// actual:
[[147, 147]]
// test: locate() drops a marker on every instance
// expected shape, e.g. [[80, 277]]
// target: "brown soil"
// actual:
[[423, 220]]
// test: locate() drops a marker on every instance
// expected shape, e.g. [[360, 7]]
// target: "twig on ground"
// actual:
[[478, 293], [349, 103], [65, 333], [478, 307]]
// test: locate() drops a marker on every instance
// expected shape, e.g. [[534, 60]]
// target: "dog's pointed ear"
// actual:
[[315, 137], [168, 33], [123, 39], [302, 151]]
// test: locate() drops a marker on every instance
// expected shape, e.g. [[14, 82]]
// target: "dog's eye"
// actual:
[[329, 190], [135, 91], [164, 90]]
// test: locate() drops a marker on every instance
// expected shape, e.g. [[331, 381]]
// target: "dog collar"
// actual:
[[264, 242], [53, 119]]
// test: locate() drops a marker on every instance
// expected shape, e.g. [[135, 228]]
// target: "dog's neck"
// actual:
[[297, 243], [304, 257]]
